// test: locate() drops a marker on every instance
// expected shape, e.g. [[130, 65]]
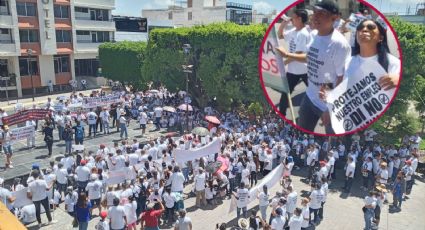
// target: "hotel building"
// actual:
[[51, 40]]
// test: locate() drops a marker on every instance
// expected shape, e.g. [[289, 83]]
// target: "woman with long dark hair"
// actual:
[[370, 45], [82, 211]]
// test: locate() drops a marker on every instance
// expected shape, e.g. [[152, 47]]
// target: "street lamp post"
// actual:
[[30, 52], [187, 69]]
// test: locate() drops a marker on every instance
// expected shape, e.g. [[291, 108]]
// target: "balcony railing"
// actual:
[[96, 20]]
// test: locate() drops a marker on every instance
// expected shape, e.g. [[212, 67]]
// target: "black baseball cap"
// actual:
[[327, 5]]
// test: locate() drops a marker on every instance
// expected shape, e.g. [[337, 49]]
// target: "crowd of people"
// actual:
[[155, 180]]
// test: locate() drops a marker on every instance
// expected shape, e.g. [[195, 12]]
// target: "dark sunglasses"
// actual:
[[368, 26]]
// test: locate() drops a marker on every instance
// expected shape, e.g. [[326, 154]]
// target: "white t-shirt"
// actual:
[[306, 215], [278, 222], [130, 212], [350, 168], [38, 189], [93, 188], [183, 223], [28, 213], [70, 201], [61, 175], [169, 199], [116, 214], [353, 64], [264, 199], [177, 182], [326, 55], [316, 198], [243, 198], [295, 222], [291, 203], [143, 118], [105, 116], [200, 182], [91, 118], [297, 42], [83, 173], [383, 176]]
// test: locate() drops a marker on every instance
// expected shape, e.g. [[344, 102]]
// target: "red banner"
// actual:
[[25, 115]]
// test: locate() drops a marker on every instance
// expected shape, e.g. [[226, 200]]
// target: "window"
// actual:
[[99, 15], [28, 35], [26, 8], [5, 36], [81, 10], [4, 7], [61, 11], [63, 36], [189, 15], [61, 63], [27, 64], [83, 32], [100, 36], [86, 67], [170, 15]]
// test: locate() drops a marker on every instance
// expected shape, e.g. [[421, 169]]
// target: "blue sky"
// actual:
[[134, 7]]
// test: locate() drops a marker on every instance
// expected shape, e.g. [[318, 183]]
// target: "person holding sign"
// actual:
[[371, 75], [326, 55], [297, 39]]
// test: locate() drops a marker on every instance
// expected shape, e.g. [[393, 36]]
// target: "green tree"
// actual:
[[122, 61]]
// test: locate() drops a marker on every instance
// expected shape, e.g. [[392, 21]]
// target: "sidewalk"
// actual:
[[27, 102]]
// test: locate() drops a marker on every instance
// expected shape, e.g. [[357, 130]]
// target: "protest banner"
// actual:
[[93, 102], [273, 68], [25, 115], [22, 133], [21, 198], [116, 176], [355, 20], [182, 155], [270, 180], [358, 99], [58, 107]]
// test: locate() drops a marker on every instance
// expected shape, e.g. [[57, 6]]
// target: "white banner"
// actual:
[[22, 133], [270, 180], [21, 198], [272, 67], [359, 98], [182, 155], [116, 176], [355, 20], [93, 102]]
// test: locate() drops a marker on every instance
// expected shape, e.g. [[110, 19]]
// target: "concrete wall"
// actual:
[[47, 31]]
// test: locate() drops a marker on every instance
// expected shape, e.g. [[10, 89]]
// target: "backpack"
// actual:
[[79, 132]]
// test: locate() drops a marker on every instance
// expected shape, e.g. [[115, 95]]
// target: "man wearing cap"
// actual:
[[325, 59], [37, 191], [83, 175], [6, 197], [103, 224], [5, 137]]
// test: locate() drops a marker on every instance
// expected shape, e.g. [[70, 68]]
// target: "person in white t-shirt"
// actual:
[[316, 198], [296, 221], [37, 191], [297, 39], [242, 198], [83, 175], [116, 215], [105, 116], [326, 55], [263, 198], [199, 182], [183, 222], [279, 220], [94, 189], [71, 199], [349, 174], [91, 120], [143, 120]]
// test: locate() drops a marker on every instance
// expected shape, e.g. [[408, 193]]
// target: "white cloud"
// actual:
[[263, 7]]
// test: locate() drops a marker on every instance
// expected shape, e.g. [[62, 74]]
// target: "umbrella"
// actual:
[[213, 166], [212, 119], [200, 131], [185, 107], [169, 109]]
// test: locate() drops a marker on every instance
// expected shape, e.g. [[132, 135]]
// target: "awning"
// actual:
[[26, 25], [62, 26], [64, 51]]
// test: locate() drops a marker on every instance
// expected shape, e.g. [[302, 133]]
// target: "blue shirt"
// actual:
[[83, 214]]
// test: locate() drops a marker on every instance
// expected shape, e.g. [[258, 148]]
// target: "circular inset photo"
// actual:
[[330, 68]]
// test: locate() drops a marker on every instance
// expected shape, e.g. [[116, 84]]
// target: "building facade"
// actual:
[[130, 28], [199, 12], [51, 40]]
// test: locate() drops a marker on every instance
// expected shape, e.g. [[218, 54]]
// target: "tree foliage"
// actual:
[[122, 61], [224, 58]]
